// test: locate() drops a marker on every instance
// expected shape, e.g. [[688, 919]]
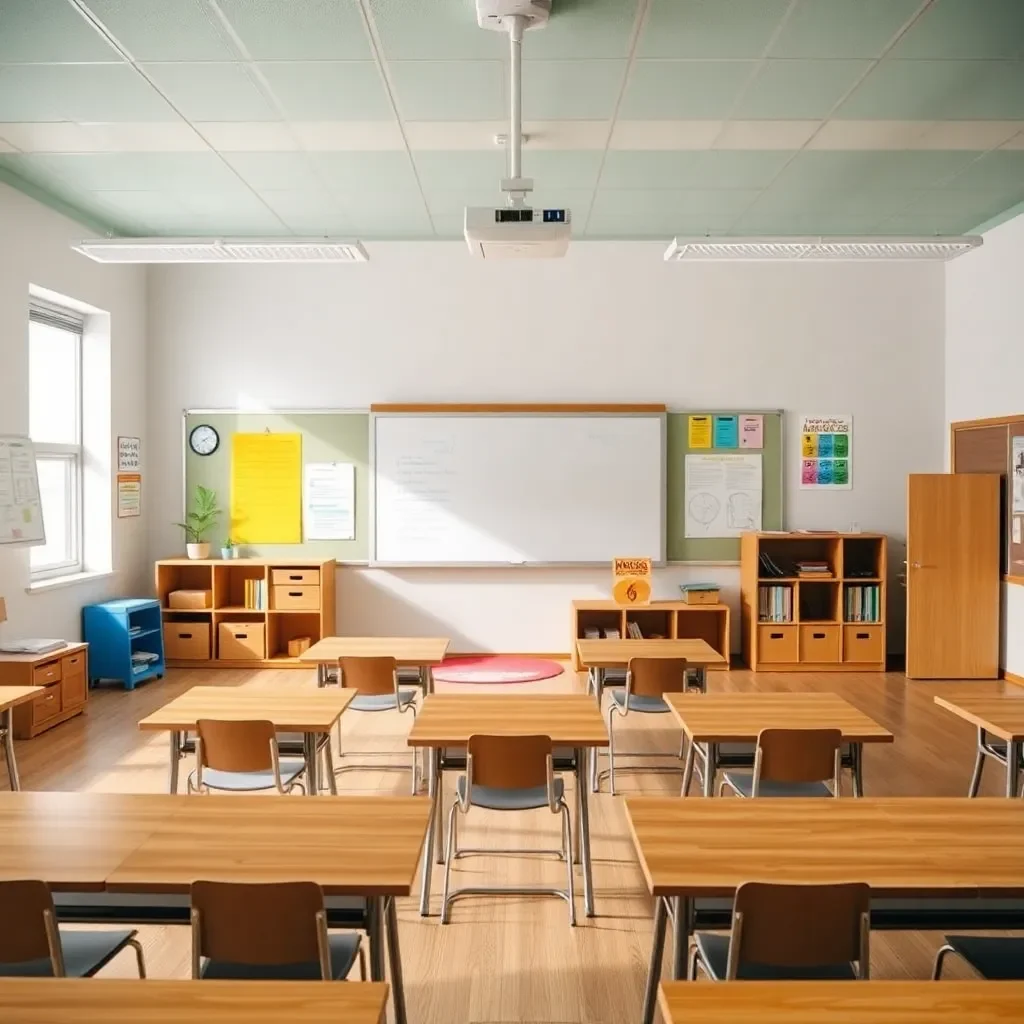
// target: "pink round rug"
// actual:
[[495, 668]]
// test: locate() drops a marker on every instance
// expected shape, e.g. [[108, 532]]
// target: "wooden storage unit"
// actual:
[[64, 675], [672, 620], [311, 614], [822, 631]]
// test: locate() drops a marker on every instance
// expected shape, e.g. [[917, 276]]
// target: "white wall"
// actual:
[[611, 322], [985, 363], [34, 251]]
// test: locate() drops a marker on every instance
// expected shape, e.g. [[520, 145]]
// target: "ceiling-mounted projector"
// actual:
[[516, 230]]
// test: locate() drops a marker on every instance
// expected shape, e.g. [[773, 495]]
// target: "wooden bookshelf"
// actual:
[[299, 602], [823, 632], [673, 620]]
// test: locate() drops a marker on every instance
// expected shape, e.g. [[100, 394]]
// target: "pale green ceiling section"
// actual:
[[647, 118]]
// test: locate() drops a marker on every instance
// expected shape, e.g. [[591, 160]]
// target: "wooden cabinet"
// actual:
[[64, 677]]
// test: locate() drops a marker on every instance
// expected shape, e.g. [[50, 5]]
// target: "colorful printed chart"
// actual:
[[826, 451]]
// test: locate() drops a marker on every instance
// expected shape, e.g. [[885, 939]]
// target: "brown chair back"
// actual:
[[799, 755], [370, 676], [29, 930], [509, 762], [258, 923], [654, 677], [235, 746], [800, 925]]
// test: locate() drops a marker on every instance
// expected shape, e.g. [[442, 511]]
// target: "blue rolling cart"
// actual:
[[126, 641]]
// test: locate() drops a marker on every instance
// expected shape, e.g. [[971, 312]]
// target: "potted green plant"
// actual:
[[227, 549], [200, 521]]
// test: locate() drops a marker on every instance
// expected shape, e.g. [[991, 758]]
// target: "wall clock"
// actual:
[[203, 439]]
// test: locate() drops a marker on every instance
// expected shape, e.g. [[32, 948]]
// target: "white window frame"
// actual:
[[68, 454]]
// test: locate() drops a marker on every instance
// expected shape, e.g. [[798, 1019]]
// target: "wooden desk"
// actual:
[[598, 655], [64, 676], [449, 719], [311, 712], [710, 719], [10, 698], [1002, 716], [838, 1002], [900, 846], [422, 652], [128, 1001]]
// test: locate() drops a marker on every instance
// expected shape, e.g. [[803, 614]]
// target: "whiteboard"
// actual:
[[509, 489], [21, 512]]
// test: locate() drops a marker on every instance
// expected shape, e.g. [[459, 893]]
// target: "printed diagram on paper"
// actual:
[[723, 495]]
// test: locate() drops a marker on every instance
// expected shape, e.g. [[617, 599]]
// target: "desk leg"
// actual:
[[857, 753], [427, 679], [375, 933], [432, 756], [175, 760], [1012, 763], [12, 764], [311, 755], [580, 783], [654, 971], [691, 755], [710, 769], [395, 960], [682, 929], [582, 756]]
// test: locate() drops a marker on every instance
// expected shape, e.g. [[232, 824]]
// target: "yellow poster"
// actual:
[[809, 446], [700, 431], [266, 488]]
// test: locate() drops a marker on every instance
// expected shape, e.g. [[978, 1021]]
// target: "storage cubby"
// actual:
[[818, 601], [290, 626], [863, 558], [229, 580], [599, 615], [787, 553], [182, 575], [654, 623]]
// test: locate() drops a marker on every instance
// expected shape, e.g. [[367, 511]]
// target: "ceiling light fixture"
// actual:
[[711, 250], [221, 250]]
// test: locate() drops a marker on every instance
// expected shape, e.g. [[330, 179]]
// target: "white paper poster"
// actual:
[[723, 495], [129, 455], [21, 509], [1018, 475], [129, 495], [329, 501]]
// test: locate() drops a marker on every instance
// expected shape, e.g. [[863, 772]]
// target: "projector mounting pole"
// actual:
[[516, 26]]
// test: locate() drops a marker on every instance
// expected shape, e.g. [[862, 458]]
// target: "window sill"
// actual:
[[56, 582]]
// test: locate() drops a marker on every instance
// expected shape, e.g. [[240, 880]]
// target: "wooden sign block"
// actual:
[[631, 580]]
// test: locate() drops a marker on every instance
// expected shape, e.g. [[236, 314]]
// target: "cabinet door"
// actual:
[[74, 687]]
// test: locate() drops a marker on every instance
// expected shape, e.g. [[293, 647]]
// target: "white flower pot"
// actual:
[[198, 550]]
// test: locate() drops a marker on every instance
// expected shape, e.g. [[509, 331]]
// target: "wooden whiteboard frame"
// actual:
[[644, 410]]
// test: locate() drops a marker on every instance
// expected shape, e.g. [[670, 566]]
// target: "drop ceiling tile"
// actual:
[[435, 30], [841, 173], [33, 169], [710, 28], [586, 90], [270, 171], [309, 212], [1017, 142], [248, 136], [162, 30], [148, 210], [483, 170], [348, 135], [710, 169], [665, 135], [783, 209], [358, 172], [78, 92], [212, 91], [313, 30], [555, 135], [798, 89], [232, 211], [765, 134], [431, 90], [141, 171], [144, 137], [975, 135], [48, 137], [684, 90], [842, 28], [932, 90], [6, 147], [329, 90], [947, 212], [591, 30], [999, 172], [639, 213], [49, 31], [966, 28], [838, 134], [395, 214]]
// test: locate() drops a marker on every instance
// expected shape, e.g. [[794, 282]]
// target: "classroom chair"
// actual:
[[274, 931], [987, 748], [242, 757], [995, 959], [647, 682], [791, 762], [790, 933], [376, 679], [32, 945], [508, 773]]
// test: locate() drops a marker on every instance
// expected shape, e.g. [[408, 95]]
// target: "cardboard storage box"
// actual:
[[240, 641], [187, 641], [700, 596], [298, 645], [190, 600], [297, 598]]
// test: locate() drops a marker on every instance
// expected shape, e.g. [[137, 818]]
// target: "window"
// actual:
[[55, 426]]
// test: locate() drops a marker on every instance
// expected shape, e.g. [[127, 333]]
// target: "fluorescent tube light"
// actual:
[[938, 248], [221, 250]]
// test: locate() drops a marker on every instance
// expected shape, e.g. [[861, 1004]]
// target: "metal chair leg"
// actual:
[[139, 958], [332, 782], [691, 965], [940, 959], [362, 963], [611, 750], [567, 832], [449, 856], [979, 765]]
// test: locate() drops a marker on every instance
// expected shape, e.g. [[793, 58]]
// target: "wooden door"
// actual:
[[953, 576]]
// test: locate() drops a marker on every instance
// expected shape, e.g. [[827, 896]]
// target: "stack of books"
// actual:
[[863, 603], [635, 633], [811, 569], [141, 660], [775, 604], [256, 594]]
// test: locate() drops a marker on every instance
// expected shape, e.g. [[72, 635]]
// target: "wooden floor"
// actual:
[[517, 959]]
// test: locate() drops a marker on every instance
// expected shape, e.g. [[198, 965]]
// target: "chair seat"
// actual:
[[382, 701], [344, 949], [509, 799], [744, 785], [84, 954], [993, 958], [243, 782], [714, 950], [645, 705]]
